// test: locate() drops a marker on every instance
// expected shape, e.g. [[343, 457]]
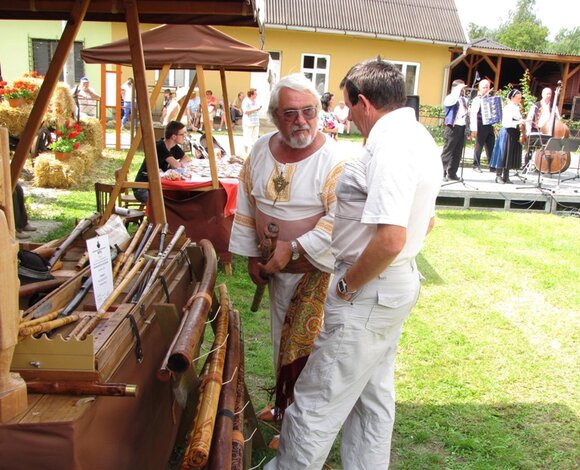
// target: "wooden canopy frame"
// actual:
[[184, 47], [228, 12], [239, 12], [500, 61]]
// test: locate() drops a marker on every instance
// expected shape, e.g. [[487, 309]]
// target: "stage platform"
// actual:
[[549, 193]]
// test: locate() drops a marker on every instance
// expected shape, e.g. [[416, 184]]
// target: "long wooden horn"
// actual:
[[197, 451], [193, 321], [221, 445]]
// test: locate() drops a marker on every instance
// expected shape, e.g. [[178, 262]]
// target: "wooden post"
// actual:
[[103, 105], [157, 208], [208, 126], [122, 177], [13, 397], [227, 111], [118, 105]]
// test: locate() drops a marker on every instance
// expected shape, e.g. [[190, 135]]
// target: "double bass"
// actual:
[[553, 161]]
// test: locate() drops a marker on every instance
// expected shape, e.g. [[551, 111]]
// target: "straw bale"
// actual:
[[93, 133], [62, 105], [52, 173], [14, 119]]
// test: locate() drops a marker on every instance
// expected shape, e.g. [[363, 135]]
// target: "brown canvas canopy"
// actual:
[[232, 12], [184, 47], [198, 47]]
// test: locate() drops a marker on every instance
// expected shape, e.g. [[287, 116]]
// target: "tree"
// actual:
[[478, 32], [567, 41], [523, 30]]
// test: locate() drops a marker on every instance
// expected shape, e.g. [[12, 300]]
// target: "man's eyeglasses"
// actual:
[[291, 114]]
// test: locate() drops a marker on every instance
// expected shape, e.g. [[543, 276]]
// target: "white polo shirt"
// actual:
[[396, 176]]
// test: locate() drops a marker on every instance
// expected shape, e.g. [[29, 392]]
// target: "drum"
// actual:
[[551, 161], [490, 110]]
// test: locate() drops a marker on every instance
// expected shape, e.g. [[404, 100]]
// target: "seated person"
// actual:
[[212, 105], [201, 151], [341, 112], [167, 97], [236, 107], [174, 106], [87, 99], [223, 117], [169, 155], [193, 112]]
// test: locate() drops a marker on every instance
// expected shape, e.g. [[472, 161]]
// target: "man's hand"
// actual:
[[281, 257], [256, 271]]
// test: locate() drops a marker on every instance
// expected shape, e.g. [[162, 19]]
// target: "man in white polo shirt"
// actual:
[[385, 207]]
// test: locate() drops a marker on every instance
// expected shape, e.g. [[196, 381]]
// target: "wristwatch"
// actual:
[[343, 288], [295, 252]]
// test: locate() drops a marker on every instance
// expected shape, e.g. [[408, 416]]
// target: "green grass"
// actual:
[[487, 371]]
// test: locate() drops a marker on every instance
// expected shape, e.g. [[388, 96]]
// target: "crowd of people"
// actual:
[[464, 120]]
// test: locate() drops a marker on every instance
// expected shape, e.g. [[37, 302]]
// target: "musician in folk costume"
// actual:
[[289, 179], [507, 153], [539, 119], [455, 106], [385, 208], [483, 133]]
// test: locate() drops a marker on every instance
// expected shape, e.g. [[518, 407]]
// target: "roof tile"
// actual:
[[428, 20]]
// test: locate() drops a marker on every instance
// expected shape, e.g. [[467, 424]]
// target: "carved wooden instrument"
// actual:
[[267, 246]]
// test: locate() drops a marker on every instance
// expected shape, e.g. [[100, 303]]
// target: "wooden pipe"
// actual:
[[267, 247], [82, 388]]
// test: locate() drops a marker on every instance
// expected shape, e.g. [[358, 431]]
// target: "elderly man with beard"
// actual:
[[289, 179]]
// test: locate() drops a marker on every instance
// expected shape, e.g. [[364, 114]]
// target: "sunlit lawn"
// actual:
[[487, 372]]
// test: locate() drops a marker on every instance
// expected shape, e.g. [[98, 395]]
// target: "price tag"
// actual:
[[101, 268]]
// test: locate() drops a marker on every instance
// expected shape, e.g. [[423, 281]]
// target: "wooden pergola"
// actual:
[[503, 65], [131, 12]]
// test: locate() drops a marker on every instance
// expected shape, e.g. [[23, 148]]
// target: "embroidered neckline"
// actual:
[[280, 183]]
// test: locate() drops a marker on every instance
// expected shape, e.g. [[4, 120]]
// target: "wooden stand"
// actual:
[[13, 397]]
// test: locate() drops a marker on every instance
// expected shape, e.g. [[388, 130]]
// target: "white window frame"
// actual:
[[188, 75], [404, 66], [316, 71]]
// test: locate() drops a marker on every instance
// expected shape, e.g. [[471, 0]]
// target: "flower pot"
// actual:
[[62, 156], [16, 102]]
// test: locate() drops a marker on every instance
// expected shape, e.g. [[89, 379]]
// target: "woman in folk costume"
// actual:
[[507, 153]]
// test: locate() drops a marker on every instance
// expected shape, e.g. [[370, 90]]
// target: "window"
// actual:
[[317, 68], [411, 73], [44, 49], [177, 78]]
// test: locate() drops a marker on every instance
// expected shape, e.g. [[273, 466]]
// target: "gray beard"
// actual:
[[299, 142]]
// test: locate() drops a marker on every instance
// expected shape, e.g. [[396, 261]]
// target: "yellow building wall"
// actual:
[[345, 51], [15, 53]]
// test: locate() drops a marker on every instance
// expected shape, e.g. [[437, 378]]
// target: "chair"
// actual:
[[126, 198], [103, 193]]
